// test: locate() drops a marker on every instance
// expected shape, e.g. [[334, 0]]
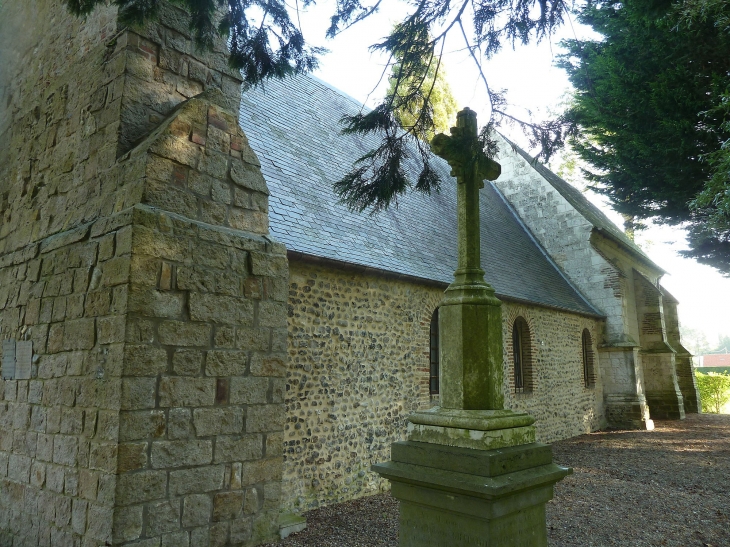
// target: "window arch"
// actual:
[[521, 357], [433, 383], [589, 378]]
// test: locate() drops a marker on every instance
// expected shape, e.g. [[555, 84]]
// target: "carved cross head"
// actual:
[[463, 151]]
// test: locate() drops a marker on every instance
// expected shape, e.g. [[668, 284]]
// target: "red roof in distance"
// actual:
[[717, 360]]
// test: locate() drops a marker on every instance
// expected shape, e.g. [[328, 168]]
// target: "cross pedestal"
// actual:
[[470, 473]]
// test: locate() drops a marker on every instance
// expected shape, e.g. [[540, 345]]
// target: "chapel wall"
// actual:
[[59, 109], [63, 270], [67, 295], [359, 365], [134, 254], [558, 398]]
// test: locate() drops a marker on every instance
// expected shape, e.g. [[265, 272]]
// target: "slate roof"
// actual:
[[581, 204], [293, 126]]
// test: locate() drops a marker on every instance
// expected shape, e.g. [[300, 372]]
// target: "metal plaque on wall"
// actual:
[[23, 359]]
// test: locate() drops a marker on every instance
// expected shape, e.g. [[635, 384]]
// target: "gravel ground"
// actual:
[[669, 487]]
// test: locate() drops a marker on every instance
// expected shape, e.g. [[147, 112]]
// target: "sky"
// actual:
[[533, 84]]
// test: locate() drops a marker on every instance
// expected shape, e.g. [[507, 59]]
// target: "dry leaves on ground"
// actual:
[[667, 487]]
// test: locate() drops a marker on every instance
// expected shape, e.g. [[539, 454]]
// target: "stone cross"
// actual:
[[470, 319], [470, 165]]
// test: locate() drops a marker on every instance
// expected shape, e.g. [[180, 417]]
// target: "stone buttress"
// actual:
[[135, 257]]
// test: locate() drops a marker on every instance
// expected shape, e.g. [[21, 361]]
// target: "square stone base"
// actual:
[[462, 497]]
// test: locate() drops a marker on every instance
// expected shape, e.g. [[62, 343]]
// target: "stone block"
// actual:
[[65, 450], [115, 271], [274, 444], [187, 362], [182, 391], [19, 468], [141, 425], [272, 314], [78, 516], [225, 337], [226, 363], [248, 390], [248, 176], [268, 265], [97, 303], [184, 334], [127, 523], [132, 456], [140, 487], [227, 506], [196, 279], [176, 539], [79, 334], [153, 303], [162, 517], [103, 456], [179, 424], [264, 418], [218, 421], [252, 501], [268, 365], [144, 360], [253, 339], [100, 520], [196, 510], [196, 480], [225, 310], [235, 449], [172, 454], [259, 471], [110, 330], [138, 393]]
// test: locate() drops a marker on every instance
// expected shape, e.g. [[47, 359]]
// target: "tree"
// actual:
[[650, 105], [442, 100], [694, 340], [723, 345], [714, 388], [265, 43]]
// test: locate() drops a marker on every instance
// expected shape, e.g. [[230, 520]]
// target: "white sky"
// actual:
[[534, 84]]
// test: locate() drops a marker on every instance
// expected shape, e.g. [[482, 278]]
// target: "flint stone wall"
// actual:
[[134, 255], [359, 365]]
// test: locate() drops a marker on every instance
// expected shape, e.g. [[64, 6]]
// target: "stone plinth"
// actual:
[[470, 473], [459, 497]]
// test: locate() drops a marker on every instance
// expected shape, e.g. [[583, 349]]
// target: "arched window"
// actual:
[[433, 384], [589, 378], [521, 356]]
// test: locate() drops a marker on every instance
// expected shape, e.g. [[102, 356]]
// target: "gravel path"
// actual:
[[669, 487]]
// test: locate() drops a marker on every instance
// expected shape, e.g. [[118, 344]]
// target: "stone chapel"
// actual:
[[591, 339], [197, 337]]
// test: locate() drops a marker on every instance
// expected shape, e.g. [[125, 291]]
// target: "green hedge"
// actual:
[[714, 390]]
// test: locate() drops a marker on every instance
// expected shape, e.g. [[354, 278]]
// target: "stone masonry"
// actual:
[[134, 256], [606, 272], [359, 365]]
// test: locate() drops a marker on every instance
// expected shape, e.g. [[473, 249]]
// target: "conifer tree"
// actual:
[[651, 105]]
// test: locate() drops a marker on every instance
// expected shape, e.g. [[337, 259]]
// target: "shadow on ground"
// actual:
[[668, 487]]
